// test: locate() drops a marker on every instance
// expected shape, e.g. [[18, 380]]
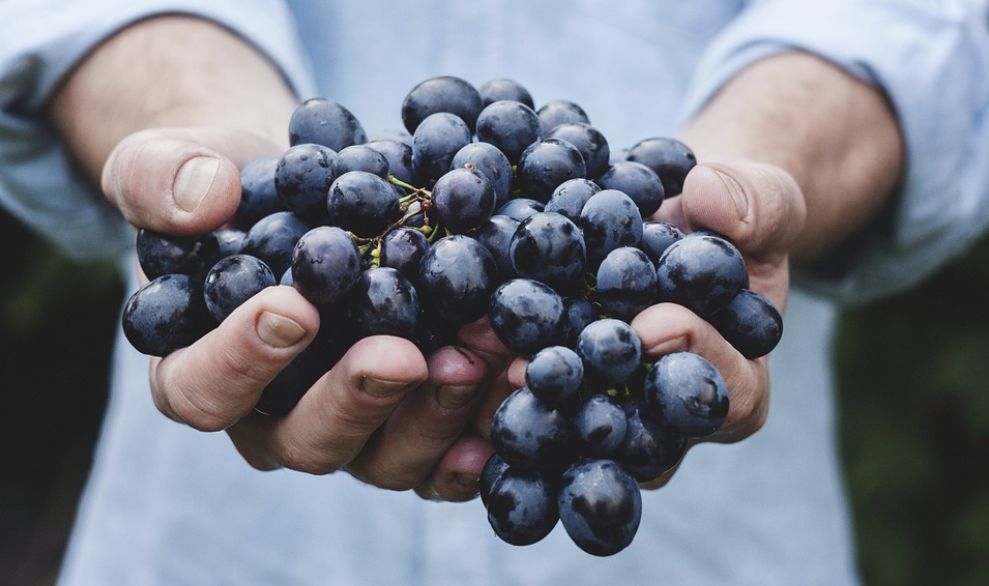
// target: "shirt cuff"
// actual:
[[932, 61]]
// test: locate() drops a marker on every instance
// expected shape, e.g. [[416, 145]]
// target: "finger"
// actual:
[[458, 475], [334, 419], [667, 327], [214, 382], [498, 389], [516, 372], [408, 446], [481, 339], [180, 181]]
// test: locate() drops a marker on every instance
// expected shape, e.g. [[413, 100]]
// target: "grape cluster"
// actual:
[[486, 207]]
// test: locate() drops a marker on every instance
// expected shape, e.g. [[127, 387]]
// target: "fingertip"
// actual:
[[457, 366], [713, 199], [516, 372], [664, 328], [457, 477], [389, 359]]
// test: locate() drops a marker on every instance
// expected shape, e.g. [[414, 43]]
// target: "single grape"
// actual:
[[302, 178], [326, 265], [650, 447], [530, 434], [667, 157], [527, 315], [492, 471], [600, 506], [610, 350], [702, 273], [510, 126], [636, 181], [522, 507], [232, 281], [166, 314], [399, 135], [434, 144], [230, 241], [600, 426], [548, 247], [403, 249], [496, 235], [593, 146], [555, 375], [505, 89], [325, 122], [520, 208], [546, 164], [384, 302], [557, 112], [258, 196], [579, 313], [273, 238], [687, 393], [360, 158], [441, 94], [570, 197], [626, 282], [657, 237], [456, 278], [492, 163], [609, 220], [398, 155], [750, 323], [164, 254], [362, 203], [463, 199]]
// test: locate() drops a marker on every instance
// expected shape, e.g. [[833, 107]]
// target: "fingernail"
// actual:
[[384, 388], [675, 345], [454, 396], [468, 481], [736, 192], [278, 331], [193, 181]]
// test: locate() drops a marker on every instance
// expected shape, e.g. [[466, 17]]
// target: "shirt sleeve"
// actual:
[[40, 42], [931, 58]]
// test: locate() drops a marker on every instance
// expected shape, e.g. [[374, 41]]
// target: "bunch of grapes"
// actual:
[[488, 208]]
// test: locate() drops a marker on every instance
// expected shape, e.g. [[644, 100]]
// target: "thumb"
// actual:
[[758, 207], [180, 180]]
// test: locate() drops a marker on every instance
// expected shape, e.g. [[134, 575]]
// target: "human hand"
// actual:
[[388, 422]]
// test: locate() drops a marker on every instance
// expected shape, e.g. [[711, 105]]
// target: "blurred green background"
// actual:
[[914, 405]]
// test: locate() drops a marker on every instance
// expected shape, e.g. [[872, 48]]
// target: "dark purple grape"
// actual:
[[441, 94], [520, 208], [546, 164], [579, 313], [702, 273], [599, 426], [230, 241], [399, 135], [463, 200], [164, 254], [325, 122], [667, 157], [505, 89], [527, 315], [456, 278], [557, 112], [609, 220], [496, 235], [403, 249], [531, 434], [232, 281], [600, 506], [492, 163], [434, 332], [548, 247], [258, 196], [384, 302], [492, 471], [593, 146], [302, 178], [687, 393], [636, 181], [166, 314], [750, 323], [522, 507], [570, 197], [555, 375], [610, 350], [360, 158], [650, 448], [273, 238], [399, 158], [657, 237], [626, 282], [362, 203], [326, 265], [434, 144], [510, 126]]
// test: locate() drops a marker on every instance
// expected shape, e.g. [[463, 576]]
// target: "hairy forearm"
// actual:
[[168, 71], [835, 135]]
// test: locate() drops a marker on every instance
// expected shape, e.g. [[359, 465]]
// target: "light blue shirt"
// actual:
[[168, 505]]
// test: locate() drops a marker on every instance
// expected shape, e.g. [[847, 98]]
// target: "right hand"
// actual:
[[396, 422]]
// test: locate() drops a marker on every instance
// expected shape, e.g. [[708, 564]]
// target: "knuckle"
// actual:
[[198, 413], [241, 366]]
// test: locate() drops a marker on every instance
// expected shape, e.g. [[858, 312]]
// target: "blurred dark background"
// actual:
[[914, 412]]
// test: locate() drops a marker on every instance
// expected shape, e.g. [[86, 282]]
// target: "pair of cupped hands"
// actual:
[[385, 413]]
